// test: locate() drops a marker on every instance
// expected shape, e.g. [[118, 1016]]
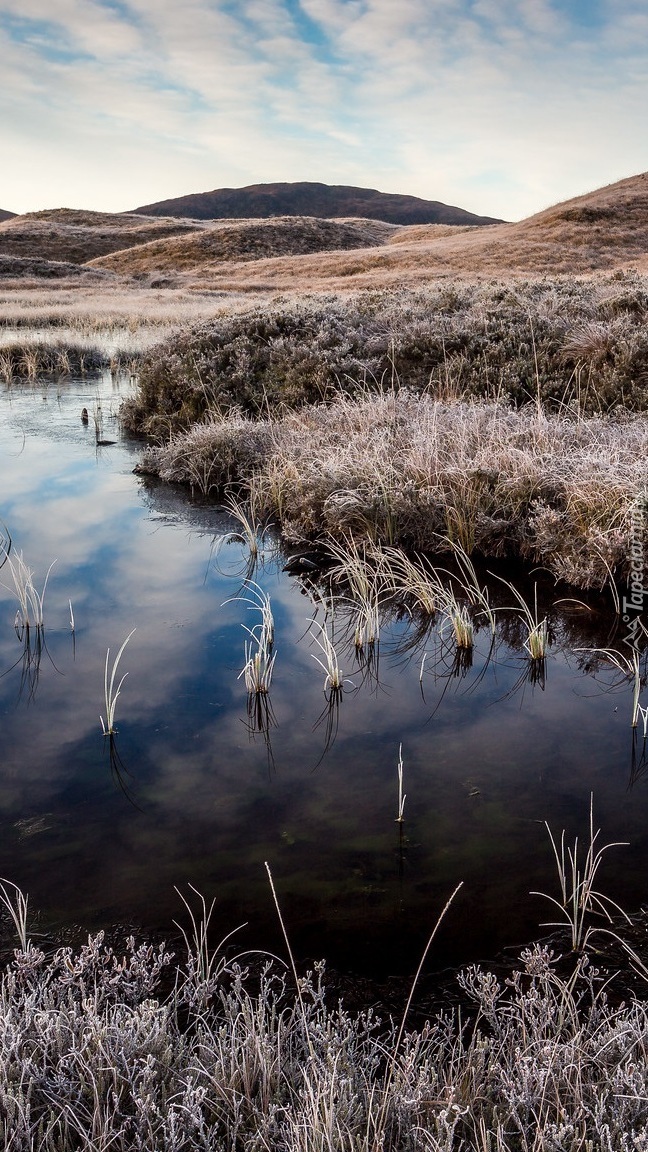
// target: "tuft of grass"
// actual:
[[580, 900], [15, 903], [328, 662], [30, 612], [461, 623], [630, 668], [537, 639], [111, 694], [259, 656], [259, 662]]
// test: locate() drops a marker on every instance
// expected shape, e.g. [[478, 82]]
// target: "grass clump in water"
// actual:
[[553, 489]]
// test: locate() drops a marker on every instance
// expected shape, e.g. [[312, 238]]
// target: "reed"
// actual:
[[579, 899], [30, 363], [630, 669], [30, 613], [259, 657], [413, 577], [15, 903], [475, 593], [252, 526], [460, 622], [328, 661], [251, 529], [358, 568], [111, 694], [537, 639], [402, 797], [6, 367], [259, 661]]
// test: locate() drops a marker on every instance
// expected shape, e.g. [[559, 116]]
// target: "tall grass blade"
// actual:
[[111, 694]]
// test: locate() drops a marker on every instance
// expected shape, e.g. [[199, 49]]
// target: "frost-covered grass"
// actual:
[[409, 469], [71, 329], [581, 344], [137, 1049]]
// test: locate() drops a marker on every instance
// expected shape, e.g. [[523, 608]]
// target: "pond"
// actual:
[[193, 790]]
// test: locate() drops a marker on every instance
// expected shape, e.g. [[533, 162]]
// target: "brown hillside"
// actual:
[[308, 198], [21, 269], [245, 240], [602, 230], [64, 234]]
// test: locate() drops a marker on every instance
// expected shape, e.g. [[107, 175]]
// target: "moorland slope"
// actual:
[[74, 236], [224, 243], [602, 231]]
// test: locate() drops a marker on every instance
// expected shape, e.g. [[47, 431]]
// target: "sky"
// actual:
[[502, 107]]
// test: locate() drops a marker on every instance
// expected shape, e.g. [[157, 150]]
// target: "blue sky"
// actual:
[[499, 106]]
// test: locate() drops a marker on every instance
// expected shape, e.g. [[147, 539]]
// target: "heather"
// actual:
[[138, 1048], [578, 344]]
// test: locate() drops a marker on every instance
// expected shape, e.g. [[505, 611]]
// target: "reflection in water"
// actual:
[[203, 781]]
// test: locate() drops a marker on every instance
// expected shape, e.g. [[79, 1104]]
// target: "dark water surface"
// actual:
[[188, 793]]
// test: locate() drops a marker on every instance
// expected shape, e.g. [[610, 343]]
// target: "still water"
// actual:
[[189, 792]]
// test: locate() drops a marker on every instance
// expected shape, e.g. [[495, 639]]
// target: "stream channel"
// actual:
[[102, 832]]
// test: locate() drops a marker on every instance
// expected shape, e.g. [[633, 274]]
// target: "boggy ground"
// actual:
[[507, 414], [507, 417]]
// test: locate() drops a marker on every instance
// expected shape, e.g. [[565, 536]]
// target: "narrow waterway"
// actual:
[[196, 789]]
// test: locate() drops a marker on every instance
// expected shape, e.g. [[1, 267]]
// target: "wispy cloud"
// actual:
[[501, 106]]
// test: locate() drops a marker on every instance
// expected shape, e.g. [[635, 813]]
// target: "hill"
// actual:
[[4, 215], [74, 237], [602, 230], [332, 201], [21, 269], [241, 241]]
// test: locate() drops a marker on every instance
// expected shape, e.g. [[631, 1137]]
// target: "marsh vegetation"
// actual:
[[336, 613]]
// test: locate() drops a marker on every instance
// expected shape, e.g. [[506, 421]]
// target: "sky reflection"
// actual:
[[189, 792]]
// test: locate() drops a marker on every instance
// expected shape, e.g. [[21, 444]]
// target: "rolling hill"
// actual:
[[4, 215], [306, 198], [600, 231], [241, 241], [74, 237], [603, 230]]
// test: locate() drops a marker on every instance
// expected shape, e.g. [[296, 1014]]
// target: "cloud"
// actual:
[[500, 106]]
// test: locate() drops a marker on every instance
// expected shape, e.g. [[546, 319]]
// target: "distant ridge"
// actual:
[[327, 201], [6, 215]]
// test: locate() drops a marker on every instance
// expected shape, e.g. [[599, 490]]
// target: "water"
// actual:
[[100, 832]]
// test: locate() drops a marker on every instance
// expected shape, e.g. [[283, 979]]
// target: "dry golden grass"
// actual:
[[75, 236], [601, 231], [221, 242]]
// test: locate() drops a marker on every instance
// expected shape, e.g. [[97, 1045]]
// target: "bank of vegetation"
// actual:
[[506, 418], [136, 1048]]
